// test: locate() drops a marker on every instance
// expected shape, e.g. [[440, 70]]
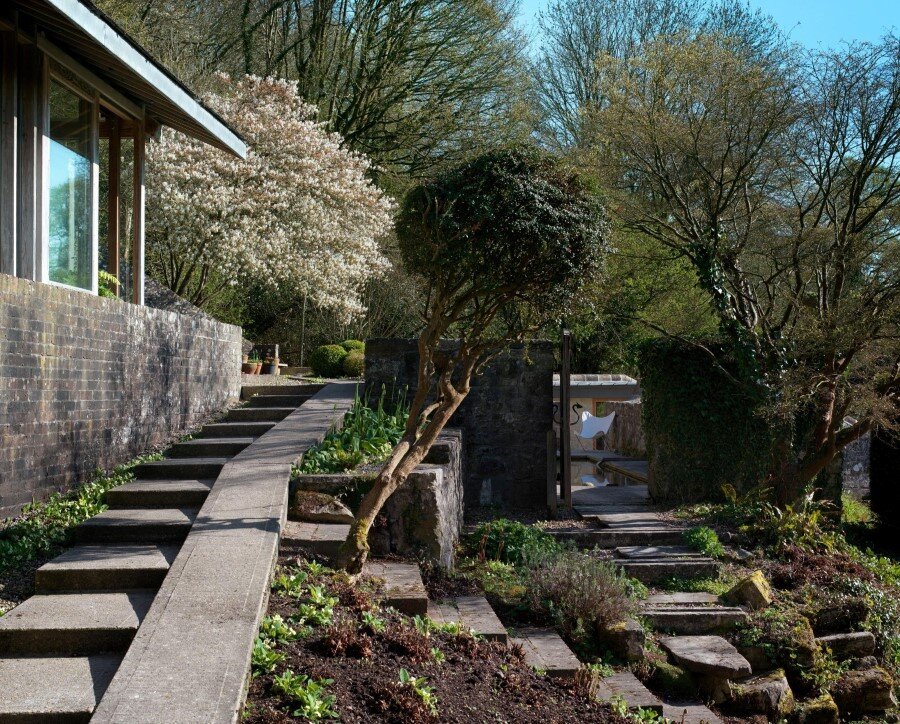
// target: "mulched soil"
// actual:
[[18, 584], [477, 682]]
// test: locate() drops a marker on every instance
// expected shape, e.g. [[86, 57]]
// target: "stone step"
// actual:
[[321, 539], [612, 538], [544, 649], [657, 552], [849, 645], [693, 620], [280, 400], [258, 414], [403, 588], [651, 570], [626, 686], [137, 525], [62, 689], [641, 519], [690, 714], [235, 429], [473, 612], [159, 494], [101, 568], [709, 655], [204, 447], [74, 623], [250, 391], [189, 469], [688, 598]]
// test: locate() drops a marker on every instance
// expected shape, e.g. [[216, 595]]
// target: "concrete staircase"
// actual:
[[60, 648]]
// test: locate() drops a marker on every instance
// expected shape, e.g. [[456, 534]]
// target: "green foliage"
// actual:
[[512, 542], [308, 695], [705, 540], [498, 579], [328, 360], [275, 629], [855, 511], [354, 345], [41, 527], [317, 610], [420, 687], [107, 284], [372, 622], [354, 364], [883, 620], [264, 658], [290, 584]]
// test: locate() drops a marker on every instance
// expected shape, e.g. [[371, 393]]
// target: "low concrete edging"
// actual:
[[190, 659]]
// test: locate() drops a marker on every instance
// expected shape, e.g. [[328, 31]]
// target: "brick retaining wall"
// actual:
[[87, 382]]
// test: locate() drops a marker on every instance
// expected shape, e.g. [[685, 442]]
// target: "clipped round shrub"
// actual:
[[328, 360], [353, 345], [354, 363]]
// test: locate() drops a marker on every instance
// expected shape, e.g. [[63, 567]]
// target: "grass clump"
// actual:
[[855, 511], [705, 540]]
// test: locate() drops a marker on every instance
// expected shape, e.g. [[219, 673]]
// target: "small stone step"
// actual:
[[100, 568], [54, 689], [651, 570], [612, 538], [281, 400], [403, 588], [137, 525], [159, 494], [204, 447], [235, 429], [321, 539], [73, 623], [626, 686], [638, 552], [259, 414], [710, 655], [681, 599], [545, 650], [690, 714], [849, 645], [190, 469], [642, 519], [250, 391], [695, 620], [473, 612]]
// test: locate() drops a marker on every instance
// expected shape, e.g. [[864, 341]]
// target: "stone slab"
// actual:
[[657, 552], [710, 655], [321, 539], [690, 714], [849, 645], [184, 468], [626, 686], [610, 495], [208, 447], [77, 685], [680, 599], [611, 538], [645, 518], [473, 612], [649, 570], [91, 567], [235, 429], [160, 494], [259, 414], [403, 588], [697, 620], [137, 525], [545, 650]]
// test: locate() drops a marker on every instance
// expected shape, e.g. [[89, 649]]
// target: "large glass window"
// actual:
[[70, 177]]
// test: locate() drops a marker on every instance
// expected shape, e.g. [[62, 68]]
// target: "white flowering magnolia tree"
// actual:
[[299, 212]]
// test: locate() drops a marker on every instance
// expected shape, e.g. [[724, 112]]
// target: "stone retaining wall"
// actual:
[[626, 436], [87, 382]]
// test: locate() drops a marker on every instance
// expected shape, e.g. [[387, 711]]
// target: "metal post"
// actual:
[[565, 435]]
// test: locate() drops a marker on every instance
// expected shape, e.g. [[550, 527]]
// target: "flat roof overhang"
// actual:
[[90, 37]]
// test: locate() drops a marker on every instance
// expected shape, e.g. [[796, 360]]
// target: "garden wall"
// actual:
[[504, 419], [626, 436], [87, 382]]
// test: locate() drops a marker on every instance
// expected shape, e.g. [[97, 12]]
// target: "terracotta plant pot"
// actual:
[[257, 367], [248, 368]]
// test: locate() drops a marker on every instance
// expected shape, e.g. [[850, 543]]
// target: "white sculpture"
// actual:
[[592, 427]]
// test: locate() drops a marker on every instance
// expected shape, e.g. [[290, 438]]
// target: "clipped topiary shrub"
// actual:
[[328, 360], [354, 363], [353, 344]]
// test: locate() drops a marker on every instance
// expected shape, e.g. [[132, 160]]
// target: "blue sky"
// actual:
[[810, 22]]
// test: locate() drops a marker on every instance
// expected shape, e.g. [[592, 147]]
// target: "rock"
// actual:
[[708, 655], [866, 662], [768, 694], [313, 507], [846, 615], [673, 681], [757, 656], [860, 692], [624, 639], [817, 711], [753, 591], [849, 645]]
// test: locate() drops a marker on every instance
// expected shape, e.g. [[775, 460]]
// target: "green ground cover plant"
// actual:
[[705, 540]]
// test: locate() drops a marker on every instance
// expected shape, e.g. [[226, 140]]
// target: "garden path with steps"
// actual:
[[61, 648]]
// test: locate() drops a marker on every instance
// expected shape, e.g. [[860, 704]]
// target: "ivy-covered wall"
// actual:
[[702, 429]]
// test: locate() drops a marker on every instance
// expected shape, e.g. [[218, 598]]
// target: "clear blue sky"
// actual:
[[810, 22]]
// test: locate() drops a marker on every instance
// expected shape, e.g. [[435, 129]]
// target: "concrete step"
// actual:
[[612, 538], [74, 623], [544, 649], [190, 469], [235, 429], [689, 598], [402, 589], [321, 539], [62, 689], [690, 714], [250, 391], [639, 552], [473, 612], [218, 447], [651, 570], [102, 568], [626, 686], [160, 494], [259, 414], [693, 620], [137, 525], [279, 400]]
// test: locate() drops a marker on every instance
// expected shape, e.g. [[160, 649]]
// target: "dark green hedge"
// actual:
[[703, 429]]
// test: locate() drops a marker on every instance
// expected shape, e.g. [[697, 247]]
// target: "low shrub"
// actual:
[[354, 364], [705, 540], [328, 360], [511, 542], [353, 345]]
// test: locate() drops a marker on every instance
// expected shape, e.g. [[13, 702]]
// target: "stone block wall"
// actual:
[[626, 436], [87, 382], [504, 419]]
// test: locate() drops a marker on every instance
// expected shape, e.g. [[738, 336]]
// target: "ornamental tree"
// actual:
[[502, 246], [298, 214]]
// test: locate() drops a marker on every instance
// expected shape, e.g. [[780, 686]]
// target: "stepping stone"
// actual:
[[694, 620], [191, 469], [473, 612], [545, 650], [321, 539], [403, 588], [849, 645], [657, 552], [282, 400], [235, 429], [160, 494], [51, 689], [137, 525], [205, 447], [681, 599], [74, 623], [651, 570], [710, 655], [259, 414], [99, 568], [626, 686], [690, 714]]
